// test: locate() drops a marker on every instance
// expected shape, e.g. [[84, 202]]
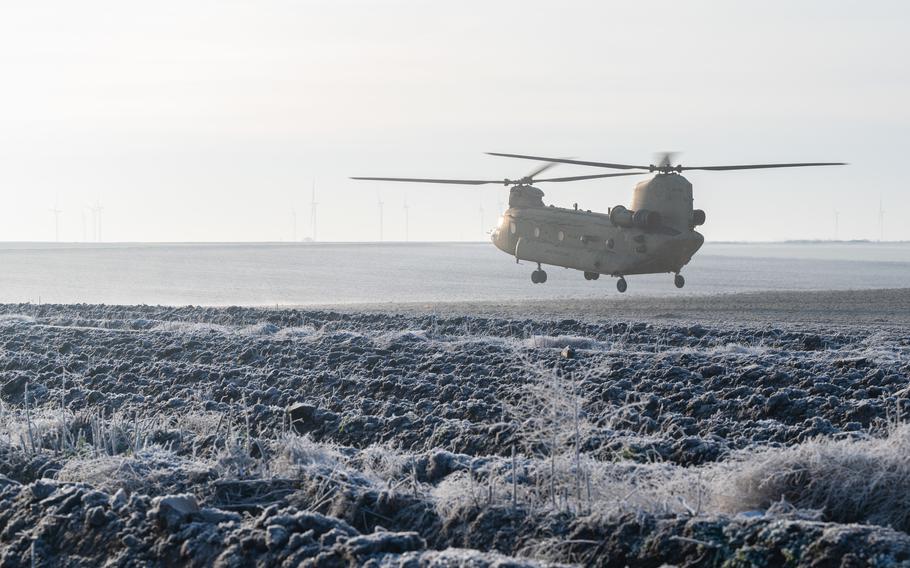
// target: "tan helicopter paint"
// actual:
[[591, 242]]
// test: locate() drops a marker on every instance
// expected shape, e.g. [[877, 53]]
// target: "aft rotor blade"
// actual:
[[450, 181], [596, 176], [758, 166], [568, 161]]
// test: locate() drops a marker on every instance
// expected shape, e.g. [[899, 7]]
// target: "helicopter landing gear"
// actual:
[[591, 275], [679, 280], [539, 276], [621, 285]]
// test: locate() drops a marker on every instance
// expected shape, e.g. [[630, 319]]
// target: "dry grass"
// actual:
[[150, 471], [848, 480]]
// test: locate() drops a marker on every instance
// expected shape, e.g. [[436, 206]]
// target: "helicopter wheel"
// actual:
[[591, 275], [538, 277], [621, 285], [679, 281]]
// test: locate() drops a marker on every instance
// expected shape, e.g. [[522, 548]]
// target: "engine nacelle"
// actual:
[[698, 217], [642, 219], [622, 217]]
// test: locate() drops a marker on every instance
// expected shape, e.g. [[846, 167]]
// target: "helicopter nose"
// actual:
[[680, 249], [690, 244], [696, 240]]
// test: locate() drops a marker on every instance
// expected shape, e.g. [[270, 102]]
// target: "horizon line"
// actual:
[[402, 242]]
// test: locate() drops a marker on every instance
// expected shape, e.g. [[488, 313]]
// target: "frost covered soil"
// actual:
[[236, 437]]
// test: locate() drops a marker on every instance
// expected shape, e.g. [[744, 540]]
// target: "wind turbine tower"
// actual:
[[881, 219], [406, 227], [313, 205], [94, 232], [294, 223], [481, 220], [56, 213], [380, 203], [96, 218]]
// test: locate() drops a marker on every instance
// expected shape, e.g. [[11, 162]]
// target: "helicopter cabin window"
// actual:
[[610, 244], [561, 236], [512, 228], [536, 232]]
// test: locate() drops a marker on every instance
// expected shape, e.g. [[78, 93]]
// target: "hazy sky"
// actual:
[[208, 121]]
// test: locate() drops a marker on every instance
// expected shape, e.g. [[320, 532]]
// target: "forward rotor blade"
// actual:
[[568, 161], [541, 170], [596, 176], [449, 181], [759, 166]]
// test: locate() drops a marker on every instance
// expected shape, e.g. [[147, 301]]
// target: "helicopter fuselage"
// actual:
[[661, 239]]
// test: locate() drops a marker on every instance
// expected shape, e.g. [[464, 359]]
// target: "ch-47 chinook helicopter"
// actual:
[[655, 235]]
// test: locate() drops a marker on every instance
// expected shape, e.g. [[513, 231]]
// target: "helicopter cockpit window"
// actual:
[[512, 228]]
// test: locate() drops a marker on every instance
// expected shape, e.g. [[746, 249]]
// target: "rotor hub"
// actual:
[[666, 169]]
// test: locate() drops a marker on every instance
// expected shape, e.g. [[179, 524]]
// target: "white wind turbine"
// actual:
[[406, 220], [482, 226], [380, 204], [313, 205], [56, 212], [881, 219], [96, 220], [294, 225]]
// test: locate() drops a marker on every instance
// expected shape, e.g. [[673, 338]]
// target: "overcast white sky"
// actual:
[[207, 120]]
